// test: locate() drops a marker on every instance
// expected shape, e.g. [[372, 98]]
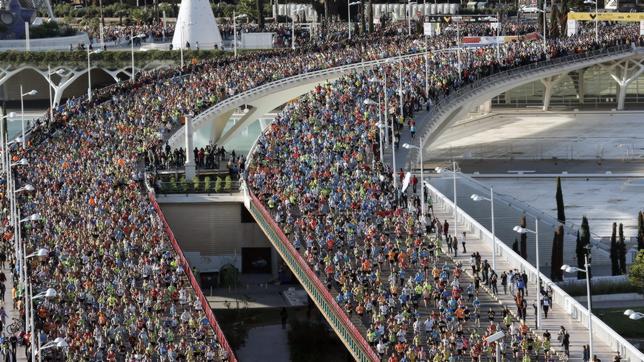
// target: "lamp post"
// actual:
[[633, 315], [371, 103], [595, 19], [393, 150], [454, 170], [409, 4], [522, 230], [422, 178], [22, 112], [234, 33], [477, 198], [293, 29], [50, 293], [544, 12], [132, 52], [2, 139], [51, 102], [349, 5], [586, 270], [89, 72], [57, 343]]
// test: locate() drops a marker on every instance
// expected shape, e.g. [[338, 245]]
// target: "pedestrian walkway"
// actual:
[[13, 316], [556, 317]]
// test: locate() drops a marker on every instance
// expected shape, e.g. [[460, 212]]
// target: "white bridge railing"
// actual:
[[560, 298]]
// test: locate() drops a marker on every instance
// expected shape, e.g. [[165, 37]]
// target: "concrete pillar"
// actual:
[[191, 171], [275, 258], [264, 123], [581, 85], [485, 107], [218, 125], [623, 73], [549, 84]]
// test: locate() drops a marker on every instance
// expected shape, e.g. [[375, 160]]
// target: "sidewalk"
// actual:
[[12, 315], [556, 317]]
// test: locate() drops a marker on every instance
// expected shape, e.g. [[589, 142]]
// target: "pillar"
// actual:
[[623, 73], [485, 107], [581, 86], [191, 171], [549, 84]]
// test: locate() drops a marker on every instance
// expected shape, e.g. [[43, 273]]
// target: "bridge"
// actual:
[[625, 64], [566, 311]]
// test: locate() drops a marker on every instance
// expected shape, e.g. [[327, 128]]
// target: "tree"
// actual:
[[259, 4], [621, 250], [640, 230], [583, 240], [556, 274], [614, 258], [561, 215], [524, 239], [636, 274]]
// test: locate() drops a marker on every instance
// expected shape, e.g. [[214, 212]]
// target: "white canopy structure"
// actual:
[[196, 25]]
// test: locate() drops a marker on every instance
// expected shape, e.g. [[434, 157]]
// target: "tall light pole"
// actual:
[[477, 198], [349, 5], [454, 170], [293, 29], [41, 253], [89, 72], [132, 51], [585, 270], [22, 112], [370, 102], [522, 230], [595, 20], [422, 174], [409, 4]]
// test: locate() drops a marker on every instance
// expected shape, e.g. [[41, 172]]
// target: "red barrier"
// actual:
[[314, 278], [193, 281]]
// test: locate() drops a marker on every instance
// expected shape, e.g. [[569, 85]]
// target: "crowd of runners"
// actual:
[[121, 291]]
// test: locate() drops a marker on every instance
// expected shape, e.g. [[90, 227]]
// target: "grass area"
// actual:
[[616, 319], [602, 288]]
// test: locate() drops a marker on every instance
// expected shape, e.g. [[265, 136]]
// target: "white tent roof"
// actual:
[[196, 25]]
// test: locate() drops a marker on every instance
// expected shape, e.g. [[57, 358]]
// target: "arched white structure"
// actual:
[[196, 25]]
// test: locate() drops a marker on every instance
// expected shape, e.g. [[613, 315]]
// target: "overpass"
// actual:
[[444, 112]]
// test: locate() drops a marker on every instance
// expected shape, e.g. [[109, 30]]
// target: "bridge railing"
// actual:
[[337, 318], [560, 298], [221, 338], [444, 104]]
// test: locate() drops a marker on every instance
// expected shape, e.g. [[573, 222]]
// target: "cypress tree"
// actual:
[[583, 240], [561, 215], [524, 239], [621, 250], [640, 230], [614, 257], [556, 274]]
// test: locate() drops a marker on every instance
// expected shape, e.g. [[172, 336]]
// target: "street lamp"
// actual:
[[586, 270], [393, 148], [384, 91], [422, 185], [32, 217], [478, 198], [51, 102], [596, 26], [522, 230], [454, 170], [32, 92], [235, 17], [89, 72], [57, 343], [27, 188], [293, 28], [409, 4], [544, 12], [631, 314], [349, 5], [369, 102]]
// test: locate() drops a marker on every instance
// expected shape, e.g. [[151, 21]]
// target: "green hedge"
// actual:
[[107, 57]]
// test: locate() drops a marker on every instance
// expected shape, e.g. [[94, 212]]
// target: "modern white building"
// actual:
[[196, 25]]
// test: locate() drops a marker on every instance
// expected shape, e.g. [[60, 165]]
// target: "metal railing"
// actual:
[[201, 187], [560, 298], [337, 318], [221, 338]]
